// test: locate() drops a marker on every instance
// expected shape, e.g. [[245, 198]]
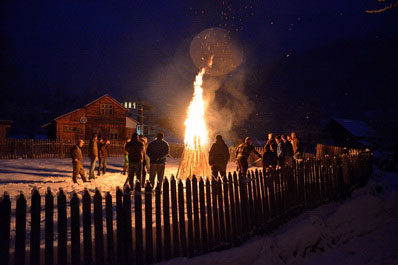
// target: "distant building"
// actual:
[[4, 127], [350, 133], [104, 116]]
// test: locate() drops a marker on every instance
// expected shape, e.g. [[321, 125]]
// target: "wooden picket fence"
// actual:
[[332, 150], [42, 149], [189, 218]]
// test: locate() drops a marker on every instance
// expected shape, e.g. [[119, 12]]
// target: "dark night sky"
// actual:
[[79, 50]]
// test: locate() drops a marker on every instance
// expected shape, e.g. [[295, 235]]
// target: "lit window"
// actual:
[[129, 105]]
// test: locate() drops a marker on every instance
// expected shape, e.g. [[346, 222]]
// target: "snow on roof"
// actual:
[[356, 127]]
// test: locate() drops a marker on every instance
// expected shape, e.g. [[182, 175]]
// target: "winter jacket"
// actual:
[[93, 149], [297, 146], [103, 150], [219, 153], [245, 149], [280, 149], [136, 150], [288, 149], [157, 151], [76, 153]]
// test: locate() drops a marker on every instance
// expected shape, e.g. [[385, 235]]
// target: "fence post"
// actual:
[[196, 213], [128, 233], [148, 223], [251, 214], [183, 238], [158, 222], [110, 243], [75, 229], [228, 232], [120, 229], [210, 234], [49, 228], [166, 219], [35, 211], [87, 228], [214, 192], [20, 230], [98, 229], [203, 215], [221, 214], [237, 208], [5, 222], [244, 205], [188, 194], [62, 228], [233, 212], [174, 215], [139, 244]]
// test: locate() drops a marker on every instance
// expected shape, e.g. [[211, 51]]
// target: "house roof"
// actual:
[[356, 127], [106, 95]]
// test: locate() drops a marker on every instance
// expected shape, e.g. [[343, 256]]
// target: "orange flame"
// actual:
[[196, 135]]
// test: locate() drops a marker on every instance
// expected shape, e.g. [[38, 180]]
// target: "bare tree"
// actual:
[[389, 5]]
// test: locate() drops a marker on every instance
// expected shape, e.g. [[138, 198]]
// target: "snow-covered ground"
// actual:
[[22, 175], [360, 230]]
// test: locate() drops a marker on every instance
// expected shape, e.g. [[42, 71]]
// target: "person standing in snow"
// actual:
[[269, 155], [242, 154], [288, 150], [103, 149], [77, 162], [219, 157], [93, 154], [146, 164], [297, 147], [136, 154], [157, 151], [126, 158], [280, 151]]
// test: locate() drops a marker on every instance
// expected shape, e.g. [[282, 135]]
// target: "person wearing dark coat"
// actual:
[[77, 162], [136, 153], [243, 152], [103, 149], [93, 154], [280, 151], [157, 151], [219, 157], [288, 150], [269, 155]]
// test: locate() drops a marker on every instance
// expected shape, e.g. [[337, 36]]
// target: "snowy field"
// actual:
[[361, 230], [22, 175]]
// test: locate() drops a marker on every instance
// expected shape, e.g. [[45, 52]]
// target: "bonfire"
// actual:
[[194, 160]]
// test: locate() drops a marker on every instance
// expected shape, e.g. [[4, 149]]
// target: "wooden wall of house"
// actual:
[[3, 131], [107, 125]]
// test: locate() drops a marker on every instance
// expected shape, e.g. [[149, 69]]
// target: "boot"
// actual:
[[74, 179]]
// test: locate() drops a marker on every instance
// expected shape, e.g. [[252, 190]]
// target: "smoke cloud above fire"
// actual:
[[224, 87], [227, 105]]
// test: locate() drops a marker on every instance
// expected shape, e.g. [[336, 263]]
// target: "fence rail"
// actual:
[[38, 149], [189, 217]]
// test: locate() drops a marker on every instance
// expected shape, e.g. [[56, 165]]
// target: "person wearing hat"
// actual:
[[219, 157], [243, 152]]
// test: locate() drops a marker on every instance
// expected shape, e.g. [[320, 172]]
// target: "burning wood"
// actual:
[[194, 160]]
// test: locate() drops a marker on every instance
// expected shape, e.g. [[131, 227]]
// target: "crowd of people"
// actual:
[[142, 157]]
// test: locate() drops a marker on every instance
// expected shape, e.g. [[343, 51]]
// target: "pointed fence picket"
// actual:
[[191, 217]]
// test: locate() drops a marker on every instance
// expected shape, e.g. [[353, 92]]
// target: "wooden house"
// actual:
[[104, 116], [4, 127]]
